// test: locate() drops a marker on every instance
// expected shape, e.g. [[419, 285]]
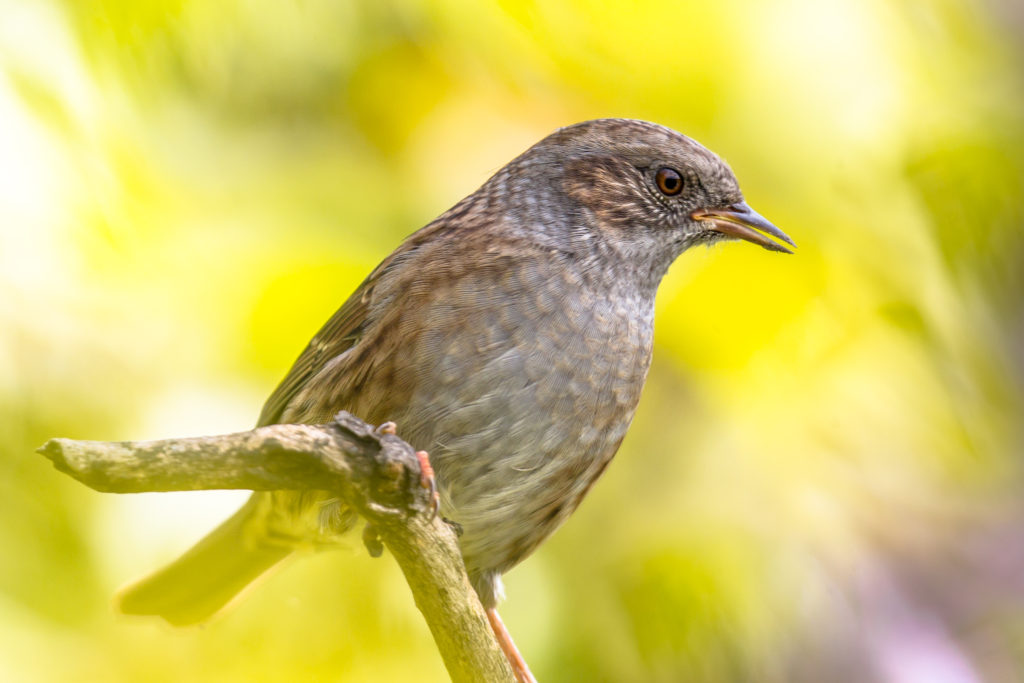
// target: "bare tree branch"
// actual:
[[374, 471]]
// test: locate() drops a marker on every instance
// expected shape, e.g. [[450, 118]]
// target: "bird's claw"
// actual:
[[427, 481]]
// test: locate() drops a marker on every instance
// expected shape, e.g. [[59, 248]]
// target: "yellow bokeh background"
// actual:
[[823, 479]]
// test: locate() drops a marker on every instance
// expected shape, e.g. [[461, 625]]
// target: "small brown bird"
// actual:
[[510, 338]]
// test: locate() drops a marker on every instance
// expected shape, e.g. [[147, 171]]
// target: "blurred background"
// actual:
[[823, 479]]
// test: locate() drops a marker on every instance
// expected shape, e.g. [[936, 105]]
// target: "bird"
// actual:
[[510, 338]]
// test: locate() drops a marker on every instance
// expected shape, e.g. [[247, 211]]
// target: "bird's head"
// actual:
[[640, 184]]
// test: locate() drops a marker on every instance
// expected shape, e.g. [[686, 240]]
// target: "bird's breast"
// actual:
[[521, 388]]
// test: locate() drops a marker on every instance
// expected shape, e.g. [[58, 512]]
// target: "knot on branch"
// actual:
[[386, 482]]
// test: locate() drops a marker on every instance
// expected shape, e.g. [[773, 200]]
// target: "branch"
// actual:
[[374, 471]]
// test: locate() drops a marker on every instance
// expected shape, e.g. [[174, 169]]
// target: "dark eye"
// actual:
[[669, 181]]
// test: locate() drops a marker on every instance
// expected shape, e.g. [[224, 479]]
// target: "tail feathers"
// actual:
[[204, 579]]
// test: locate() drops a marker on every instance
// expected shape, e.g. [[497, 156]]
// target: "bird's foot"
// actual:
[[519, 667], [427, 481], [426, 470], [387, 428]]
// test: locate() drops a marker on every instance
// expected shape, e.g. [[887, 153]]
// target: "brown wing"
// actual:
[[347, 325], [337, 336]]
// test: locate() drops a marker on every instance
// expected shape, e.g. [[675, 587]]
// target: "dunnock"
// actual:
[[510, 338]]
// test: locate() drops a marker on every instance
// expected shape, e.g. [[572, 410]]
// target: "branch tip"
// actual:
[[54, 452]]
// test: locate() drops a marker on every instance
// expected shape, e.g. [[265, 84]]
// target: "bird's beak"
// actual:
[[739, 220]]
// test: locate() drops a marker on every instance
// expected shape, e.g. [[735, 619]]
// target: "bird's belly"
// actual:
[[519, 428]]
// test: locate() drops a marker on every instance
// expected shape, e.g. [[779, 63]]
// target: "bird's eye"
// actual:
[[669, 181]]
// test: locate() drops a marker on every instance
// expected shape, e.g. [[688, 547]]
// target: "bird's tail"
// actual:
[[200, 582]]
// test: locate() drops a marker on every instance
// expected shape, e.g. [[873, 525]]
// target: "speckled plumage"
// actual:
[[510, 337]]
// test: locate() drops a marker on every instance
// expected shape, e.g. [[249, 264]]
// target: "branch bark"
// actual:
[[373, 470]]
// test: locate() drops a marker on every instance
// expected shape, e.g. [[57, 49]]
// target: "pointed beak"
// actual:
[[739, 220]]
